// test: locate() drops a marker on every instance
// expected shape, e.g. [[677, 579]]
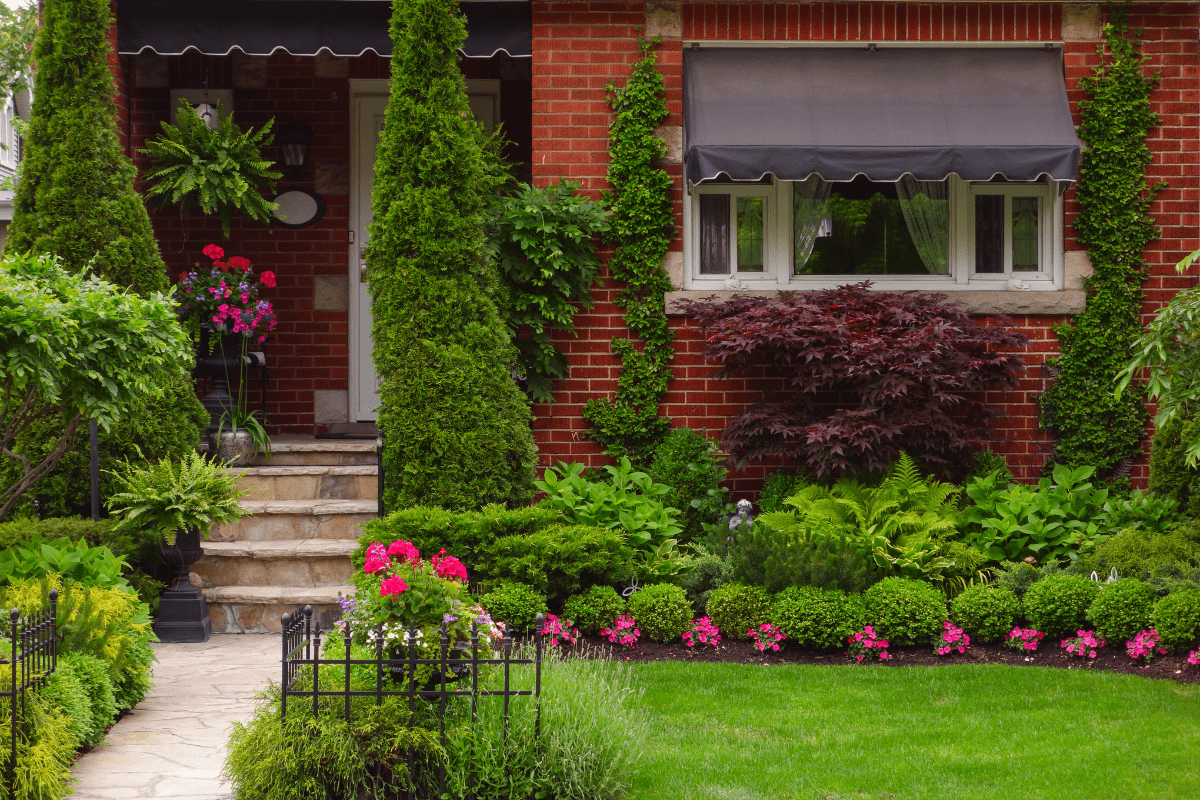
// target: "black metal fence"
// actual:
[[32, 657], [396, 674]]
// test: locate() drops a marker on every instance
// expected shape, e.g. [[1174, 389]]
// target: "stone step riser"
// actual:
[[263, 618], [309, 487], [315, 458], [274, 527], [299, 572]]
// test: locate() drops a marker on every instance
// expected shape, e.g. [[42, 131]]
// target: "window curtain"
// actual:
[[809, 197], [926, 208]]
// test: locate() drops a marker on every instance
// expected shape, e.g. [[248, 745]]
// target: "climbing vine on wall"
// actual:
[[1114, 224], [643, 226]]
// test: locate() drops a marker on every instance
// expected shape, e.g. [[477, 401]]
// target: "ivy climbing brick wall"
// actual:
[[581, 46]]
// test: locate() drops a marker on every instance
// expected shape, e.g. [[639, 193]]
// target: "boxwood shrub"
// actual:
[[813, 617], [987, 612], [1057, 604], [1176, 617], [1121, 609], [735, 608], [516, 605], [904, 611], [662, 611], [595, 609]]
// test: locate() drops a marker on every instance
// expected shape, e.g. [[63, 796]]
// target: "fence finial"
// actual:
[[14, 615]]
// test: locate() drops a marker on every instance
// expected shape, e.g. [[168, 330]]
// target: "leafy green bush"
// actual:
[[130, 544], [516, 605], [1170, 476], [1176, 617], [778, 486], [93, 676], [133, 676], [1057, 604], [74, 561], [1122, 609], [819, 618], [986, 612], [816, 555], [65, 691], [595, 609], [905, 611], [662, 611], [1018, 576], [560, 560], [687, 462], [701, 572], [984, 463], [735, 608], [1134, 551], [45, 748]]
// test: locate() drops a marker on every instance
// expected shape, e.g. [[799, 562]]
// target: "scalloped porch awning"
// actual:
[[302, 27]]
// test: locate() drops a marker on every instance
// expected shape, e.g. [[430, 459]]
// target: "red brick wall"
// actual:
[[579, 47]]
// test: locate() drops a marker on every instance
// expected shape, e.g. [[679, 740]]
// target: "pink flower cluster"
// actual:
[[863, 642], [377, 559], [449, 567], [407, 551], [225, 297], [1024, 638], [953, 639], [767, 636], [1084, 644], [1194, 658], [1144, 645], [702, 630], [624, 632], [393, 585], [558, 629]]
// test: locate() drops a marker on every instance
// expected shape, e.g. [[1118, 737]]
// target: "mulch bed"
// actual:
[[1109, 659]]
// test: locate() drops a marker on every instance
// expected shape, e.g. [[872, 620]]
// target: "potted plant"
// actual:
[[220, 307], [178, 503]]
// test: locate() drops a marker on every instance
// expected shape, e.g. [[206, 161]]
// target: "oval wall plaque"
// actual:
[[298, 208]]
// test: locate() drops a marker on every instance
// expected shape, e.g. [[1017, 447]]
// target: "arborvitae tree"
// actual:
[[75, 200], [456, 427]]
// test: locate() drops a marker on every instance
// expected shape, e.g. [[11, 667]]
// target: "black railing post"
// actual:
[[286, 625], [379, 472], [11, 772]]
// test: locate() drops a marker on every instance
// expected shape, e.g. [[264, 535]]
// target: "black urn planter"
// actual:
[[224, 361], [183, 609]]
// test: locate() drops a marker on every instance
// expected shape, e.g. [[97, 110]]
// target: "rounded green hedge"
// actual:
[[1057, 604], [735, 608], [986, 613], [1176, 617], [595, 609], [516, 605], [904, 611], [662, 611], [1122, 609], [815, 617]]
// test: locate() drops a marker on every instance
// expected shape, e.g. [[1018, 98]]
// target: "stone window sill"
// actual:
[[1066, 302]]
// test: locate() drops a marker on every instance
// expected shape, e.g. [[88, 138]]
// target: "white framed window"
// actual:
[[938, 235]]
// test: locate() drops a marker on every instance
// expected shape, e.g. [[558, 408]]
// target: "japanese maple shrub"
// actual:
[[867, 375]]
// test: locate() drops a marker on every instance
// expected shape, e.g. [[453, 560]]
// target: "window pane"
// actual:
[[866, 234], [750, 233], [1025, 234], [714, 234], [989, 233]]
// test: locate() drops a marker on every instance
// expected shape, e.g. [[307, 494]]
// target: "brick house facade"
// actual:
[[554, 108]]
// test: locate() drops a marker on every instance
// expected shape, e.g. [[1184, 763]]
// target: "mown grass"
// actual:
[[744, 732]]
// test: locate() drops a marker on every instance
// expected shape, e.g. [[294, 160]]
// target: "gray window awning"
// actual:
[[301, 27], [841, 112]]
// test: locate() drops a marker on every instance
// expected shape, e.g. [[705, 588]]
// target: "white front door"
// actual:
[[368, 107]]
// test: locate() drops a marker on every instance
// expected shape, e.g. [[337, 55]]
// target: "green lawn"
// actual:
[[731, 731]]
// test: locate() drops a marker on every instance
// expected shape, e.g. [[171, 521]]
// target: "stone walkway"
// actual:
[[173, 743]]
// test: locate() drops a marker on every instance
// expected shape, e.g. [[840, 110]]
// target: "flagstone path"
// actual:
[[173, 743]]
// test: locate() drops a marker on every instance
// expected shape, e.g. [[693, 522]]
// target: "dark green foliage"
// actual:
[[134, 679], [93, 676], [643, 225], [1176, 617], [516, 605], [1134, 551], [455, 425], [985, 462], [324, 757], [559, 560], [703, 572], [775, 559], [968, 566], [544, 242], [1170, 475], [778, 486], [64, 690], [1018, 576], [1121, 609], [1057, 604], [818, 618], [735, 608], [986, 612], [905, 611], [687, 462], [73, 561], [662, 611], [1093, 426], [596, 608]]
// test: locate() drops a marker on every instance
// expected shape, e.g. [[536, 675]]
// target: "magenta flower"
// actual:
[[392, 585], [406, 550]]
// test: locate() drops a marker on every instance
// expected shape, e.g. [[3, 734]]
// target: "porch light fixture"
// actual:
[[208, 113], [294, 138]]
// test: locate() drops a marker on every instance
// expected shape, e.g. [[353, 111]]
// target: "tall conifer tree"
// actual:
[[456, 427], [75, 200]]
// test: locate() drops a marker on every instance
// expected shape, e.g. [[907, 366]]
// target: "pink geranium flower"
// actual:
[[392, 585], [406, 550], [448, 567]]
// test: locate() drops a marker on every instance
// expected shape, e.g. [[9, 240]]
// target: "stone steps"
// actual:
[[295, 563], [298, 519], [258, 609], [319, 452], [303, 482]]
